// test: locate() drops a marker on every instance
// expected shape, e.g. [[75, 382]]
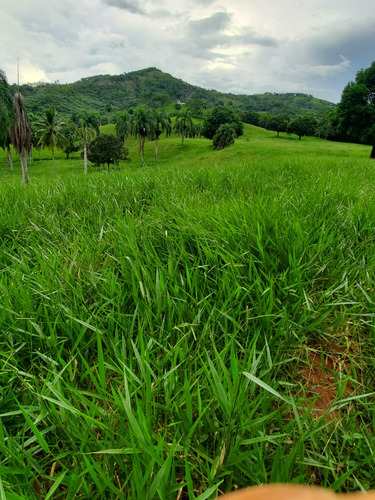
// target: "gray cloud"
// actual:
[[209, 25], [132, 6]]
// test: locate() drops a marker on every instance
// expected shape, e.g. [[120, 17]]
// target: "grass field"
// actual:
[[157, 322]]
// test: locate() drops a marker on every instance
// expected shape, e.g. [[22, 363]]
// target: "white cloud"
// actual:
[[242, 46]]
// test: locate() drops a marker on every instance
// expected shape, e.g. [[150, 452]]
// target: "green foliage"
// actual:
[[6, 110], [356, 111], [161, 123], [49, 130], [184, 125], [224, 136], [251, 117], [69, 130], [91, 119], [142, 127], [196, 107], [278, 123], [154, 88], [106, 150], [87, 127], [327, 125], [123, 125], [302, 126], [218, 116]]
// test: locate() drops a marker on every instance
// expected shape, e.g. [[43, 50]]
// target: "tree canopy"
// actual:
[[356, 111], [106, 150], [218, 116], [302, 126]]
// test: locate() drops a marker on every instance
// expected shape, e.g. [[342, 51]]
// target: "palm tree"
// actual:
[[34, 120], [20, 134], [142, 126], [162, 123], [184, 123], [49, 131], [6, 115], [86, 132], [123, 126]]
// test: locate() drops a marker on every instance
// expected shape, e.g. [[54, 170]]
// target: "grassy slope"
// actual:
[[154, 319]]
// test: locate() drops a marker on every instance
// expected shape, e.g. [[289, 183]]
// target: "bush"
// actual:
[[224, 136], [107, 149]]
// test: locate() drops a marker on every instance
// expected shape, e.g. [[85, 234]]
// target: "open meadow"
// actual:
[[166, 331]]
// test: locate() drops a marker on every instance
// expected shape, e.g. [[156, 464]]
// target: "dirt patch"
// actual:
[[325, 380]]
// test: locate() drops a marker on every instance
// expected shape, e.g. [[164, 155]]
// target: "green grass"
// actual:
[[154, 320]]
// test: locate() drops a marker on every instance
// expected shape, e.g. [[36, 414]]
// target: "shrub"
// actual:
[[224, 136]]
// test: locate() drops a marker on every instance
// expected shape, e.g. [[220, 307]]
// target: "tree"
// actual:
[[106, 149], [20, 133], [218, 116], [251, 117], [86, 133], [327, 125], [123, 126], [70, 132], [356, 110], [302, 126], [184, 123], [142, 127], [6, 116], [49, 131], [161, 123], [224, 136], [196, 107], [108, 108], [278, 123], [263, 119], [91, 118]]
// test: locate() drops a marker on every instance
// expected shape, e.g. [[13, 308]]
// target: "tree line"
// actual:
[[353, 119]]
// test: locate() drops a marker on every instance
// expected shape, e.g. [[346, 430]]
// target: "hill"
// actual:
[[155, 88]]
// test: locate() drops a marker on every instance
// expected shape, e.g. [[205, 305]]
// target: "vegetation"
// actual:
[[156, 321], [142, 127], [224, 136], [86, 132], [220, 115], [302, 126], [20, 134], [160, 325], [69, 131], [106, 150], [356, 111], [49, 131], [184, 125], [156, 89], [6, 116], [161, 123], [123, 126]]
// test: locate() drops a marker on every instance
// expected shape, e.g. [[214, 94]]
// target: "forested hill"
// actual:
[[107, 93]]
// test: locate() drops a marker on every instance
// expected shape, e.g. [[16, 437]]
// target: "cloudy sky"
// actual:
[[240, 46]]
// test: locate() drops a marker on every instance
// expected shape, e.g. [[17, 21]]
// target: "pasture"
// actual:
[[167, 330]]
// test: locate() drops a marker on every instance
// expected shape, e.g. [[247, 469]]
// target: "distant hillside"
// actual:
[[153, 87]]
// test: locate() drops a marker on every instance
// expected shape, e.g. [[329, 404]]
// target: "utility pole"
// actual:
[[18, 73]]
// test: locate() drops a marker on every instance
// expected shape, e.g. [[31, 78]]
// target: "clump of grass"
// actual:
[[151, 322]]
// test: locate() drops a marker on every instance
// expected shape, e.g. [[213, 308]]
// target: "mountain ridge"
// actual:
[[155, 88]]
